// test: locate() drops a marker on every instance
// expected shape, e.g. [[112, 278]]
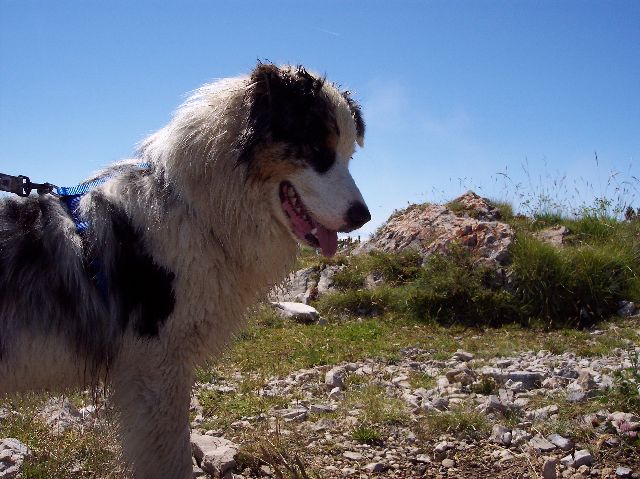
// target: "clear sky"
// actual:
[[453, 92]]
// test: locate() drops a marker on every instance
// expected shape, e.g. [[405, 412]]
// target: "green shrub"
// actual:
[[571, 285], [351, 277], [451, 289], [505, 208], [395, 268], [366, 434], [358, 302]]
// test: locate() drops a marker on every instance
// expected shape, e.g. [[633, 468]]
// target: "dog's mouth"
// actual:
[[303, 225]]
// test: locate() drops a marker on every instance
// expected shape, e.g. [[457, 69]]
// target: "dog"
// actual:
[[178, 243]]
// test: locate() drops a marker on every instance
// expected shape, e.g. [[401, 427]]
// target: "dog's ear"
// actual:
[[284, 104], [356, 112]]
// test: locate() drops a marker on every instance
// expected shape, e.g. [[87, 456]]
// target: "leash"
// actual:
[[22, 185]]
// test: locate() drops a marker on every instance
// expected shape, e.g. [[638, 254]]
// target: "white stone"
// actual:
[[582, 458], [297, 311], [561, 442], [335, 378], [215, 455]]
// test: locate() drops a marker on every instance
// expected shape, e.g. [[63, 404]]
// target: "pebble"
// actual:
[[374, 467], [561, 442], [540, 444], [448, 463], [549, 468], [622, 471], [354, 456], [582, 457]]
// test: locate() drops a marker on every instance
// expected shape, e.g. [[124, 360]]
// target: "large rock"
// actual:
[[61, 415], [300, 286], [431, 228], [300, 312], [12, 455], [215, 455]]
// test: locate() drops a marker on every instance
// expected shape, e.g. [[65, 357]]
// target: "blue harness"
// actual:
[[71, 196]]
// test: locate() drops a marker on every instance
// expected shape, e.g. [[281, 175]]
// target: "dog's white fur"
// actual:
[[213, 222]]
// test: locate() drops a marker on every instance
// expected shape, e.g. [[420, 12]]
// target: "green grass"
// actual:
[[91, 452], [279, 347], [461, 422], [575, 285], [366, 434]]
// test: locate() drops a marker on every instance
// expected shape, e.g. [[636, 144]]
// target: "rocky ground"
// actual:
[[516, 404]]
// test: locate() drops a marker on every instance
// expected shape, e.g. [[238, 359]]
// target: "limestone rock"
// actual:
[[431, 228], [297, 311], [60, 414], [554, 235], [12, 455], [215, 455]]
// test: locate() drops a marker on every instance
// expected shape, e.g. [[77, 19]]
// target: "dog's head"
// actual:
[[300, 134]]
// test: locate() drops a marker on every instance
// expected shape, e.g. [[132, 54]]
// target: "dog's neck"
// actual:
[[220, 237]]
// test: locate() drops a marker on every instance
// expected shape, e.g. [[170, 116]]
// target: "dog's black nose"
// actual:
[[357, 215]]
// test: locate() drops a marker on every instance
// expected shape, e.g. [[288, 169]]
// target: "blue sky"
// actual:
[[453, 92]]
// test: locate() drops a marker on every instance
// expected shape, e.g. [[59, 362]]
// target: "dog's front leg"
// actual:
[[152, 394]]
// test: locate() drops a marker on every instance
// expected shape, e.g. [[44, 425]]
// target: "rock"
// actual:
[[293, 414], [582, 458], [12, 455], [567, 461], [542, 413], [215, 455], [321, 408], [540, 444], [60, 414], [561, 442], [530, 380], [197, 472], [622, 471], [374, 467], [549, 468], [554, 235], [626, 309], [352, 455], [334, 378], [492, 404], [300, 286], [325, 283], [430, 228], [461, 355], [423, 458], [297, 311], [501, 435], [576, 396], [448, 463], [335, 394], [442, 447]]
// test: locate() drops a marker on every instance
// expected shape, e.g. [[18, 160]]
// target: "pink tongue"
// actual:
[[328, 240]]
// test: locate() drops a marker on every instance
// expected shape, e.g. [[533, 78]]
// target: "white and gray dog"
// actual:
[[176, 245]]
